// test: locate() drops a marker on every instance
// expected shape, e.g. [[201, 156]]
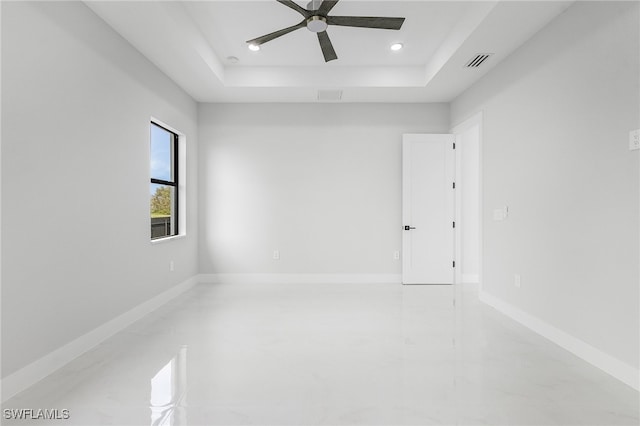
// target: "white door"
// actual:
[[428, 173]]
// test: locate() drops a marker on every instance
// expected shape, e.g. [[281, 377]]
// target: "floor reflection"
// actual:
[[169, 392]]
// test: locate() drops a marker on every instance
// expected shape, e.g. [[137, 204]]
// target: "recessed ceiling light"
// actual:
[[233, 59], [396, 46], [254, 47]]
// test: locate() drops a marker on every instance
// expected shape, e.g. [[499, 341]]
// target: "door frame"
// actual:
[[457, 130]]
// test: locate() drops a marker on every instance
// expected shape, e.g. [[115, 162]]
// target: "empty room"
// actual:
[[277, 212]]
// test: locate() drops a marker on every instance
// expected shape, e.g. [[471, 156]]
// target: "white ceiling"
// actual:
[[192, 41]]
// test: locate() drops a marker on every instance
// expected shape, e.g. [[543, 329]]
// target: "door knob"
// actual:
[[408, 228]]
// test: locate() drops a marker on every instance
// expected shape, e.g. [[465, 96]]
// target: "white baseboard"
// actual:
[[302, 278], [613, 366], [38, 370], [470, 279]]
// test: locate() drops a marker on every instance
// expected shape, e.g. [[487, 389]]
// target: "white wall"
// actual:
[[468, 200], [555, 150], [76, 105], [321, 183]]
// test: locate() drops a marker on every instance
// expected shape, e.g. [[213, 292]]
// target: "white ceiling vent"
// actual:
[[329, 95], [478, 60]]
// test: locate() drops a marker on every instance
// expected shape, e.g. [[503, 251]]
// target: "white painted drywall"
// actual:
[[76, 105], [467, 185], [556, 118], [319, 183]]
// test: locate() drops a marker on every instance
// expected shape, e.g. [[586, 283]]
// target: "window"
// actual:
[[164, 182]]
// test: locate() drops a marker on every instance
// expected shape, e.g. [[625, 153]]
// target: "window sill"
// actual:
[[167, 239]]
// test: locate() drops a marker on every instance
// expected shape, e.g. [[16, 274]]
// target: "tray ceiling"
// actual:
[[201, 45]]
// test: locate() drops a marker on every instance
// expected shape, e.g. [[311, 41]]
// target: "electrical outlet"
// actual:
[[171, 266], [396, 255], [276, 255], [634, 139], [517, 280]]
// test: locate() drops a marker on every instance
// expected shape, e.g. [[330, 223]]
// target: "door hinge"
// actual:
[[454, 185], [454, 224], [454, 145], [454, 263]]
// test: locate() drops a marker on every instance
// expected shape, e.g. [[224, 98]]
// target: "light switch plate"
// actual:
[[634, 139]]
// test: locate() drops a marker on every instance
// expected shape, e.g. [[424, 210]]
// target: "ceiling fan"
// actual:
[[316, 19]]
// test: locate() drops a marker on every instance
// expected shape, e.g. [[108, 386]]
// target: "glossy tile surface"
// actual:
[[329, 355]]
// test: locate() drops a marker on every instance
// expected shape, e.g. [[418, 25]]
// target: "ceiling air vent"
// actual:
[[478, 60], [329, 95]]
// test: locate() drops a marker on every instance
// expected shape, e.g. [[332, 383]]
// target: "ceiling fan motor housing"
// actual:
[[317, 24]]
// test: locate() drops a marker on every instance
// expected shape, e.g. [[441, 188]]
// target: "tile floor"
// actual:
[[329, 355]]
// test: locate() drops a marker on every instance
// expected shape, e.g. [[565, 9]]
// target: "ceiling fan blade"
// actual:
[[326, 7], [268, 37], [302, 11], [326, 46], [366, 22]]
